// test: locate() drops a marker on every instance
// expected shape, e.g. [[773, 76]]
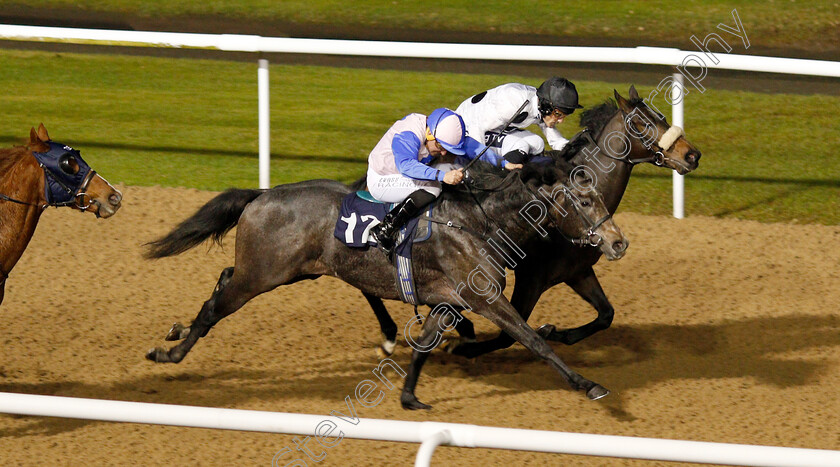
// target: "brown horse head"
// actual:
[[651, 136], [67, 170]]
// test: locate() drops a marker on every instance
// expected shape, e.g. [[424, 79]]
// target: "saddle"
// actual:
[[360, 212]]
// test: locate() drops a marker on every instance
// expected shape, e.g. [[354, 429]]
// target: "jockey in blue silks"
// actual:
[[410, 162]]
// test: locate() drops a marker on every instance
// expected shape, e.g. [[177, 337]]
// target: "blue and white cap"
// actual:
[[447, 128]]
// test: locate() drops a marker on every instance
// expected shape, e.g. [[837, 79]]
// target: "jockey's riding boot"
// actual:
[[385, 232]]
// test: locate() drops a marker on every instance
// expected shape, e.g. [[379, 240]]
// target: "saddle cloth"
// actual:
[[360, 212]]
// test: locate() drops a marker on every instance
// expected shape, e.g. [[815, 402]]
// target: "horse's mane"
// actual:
[[571, 148], [9, 157], [593, 120], [596, 118]]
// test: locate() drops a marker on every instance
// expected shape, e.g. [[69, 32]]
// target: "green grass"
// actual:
[[193, 123], [775, 23]]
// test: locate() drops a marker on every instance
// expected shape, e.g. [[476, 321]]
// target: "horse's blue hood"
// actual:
[[65, 170]]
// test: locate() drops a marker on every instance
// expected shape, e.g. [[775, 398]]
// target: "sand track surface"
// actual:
[[725, 330]]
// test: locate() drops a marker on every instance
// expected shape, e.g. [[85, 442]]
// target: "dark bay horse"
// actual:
[[41, 174], [618, 135], [600, 149], [285, 235]]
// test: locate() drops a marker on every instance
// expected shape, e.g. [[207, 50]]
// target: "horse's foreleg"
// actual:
[[2, 290], [590, 290], [524, 299], [386, 325], [422, 348], [502, 314]]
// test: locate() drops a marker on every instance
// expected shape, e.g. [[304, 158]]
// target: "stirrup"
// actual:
[[384, 242]]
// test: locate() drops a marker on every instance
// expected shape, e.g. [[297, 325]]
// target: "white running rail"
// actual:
[[250, 43], [429, 434]]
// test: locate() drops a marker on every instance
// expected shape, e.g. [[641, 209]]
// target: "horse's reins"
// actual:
[[498, 186], [590, 238], [17, 201]]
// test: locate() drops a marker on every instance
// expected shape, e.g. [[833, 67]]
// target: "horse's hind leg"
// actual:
[[386, 325], [2, 290], [590, 290], [178, 331], [232, 291]]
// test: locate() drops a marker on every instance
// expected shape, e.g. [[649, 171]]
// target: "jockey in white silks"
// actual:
[[487, 113], [407, 166]]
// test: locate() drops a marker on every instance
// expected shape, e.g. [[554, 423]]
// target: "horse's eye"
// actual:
[[69, 164], [585, 203]]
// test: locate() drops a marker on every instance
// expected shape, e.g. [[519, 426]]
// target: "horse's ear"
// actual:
[[634, 96], [622, 102], [42, 133], [33, 136]]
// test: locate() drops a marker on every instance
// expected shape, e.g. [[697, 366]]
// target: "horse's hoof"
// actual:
[[546, 330], [386, 349], [409, 402], [451, 346], [158, 355], [177, 332], [596, 392]]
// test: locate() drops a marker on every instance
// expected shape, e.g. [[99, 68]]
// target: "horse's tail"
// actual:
[[214, 219]]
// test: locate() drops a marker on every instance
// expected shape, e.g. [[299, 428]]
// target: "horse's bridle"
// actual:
[[78, 199], [590, 237], [657, 152]]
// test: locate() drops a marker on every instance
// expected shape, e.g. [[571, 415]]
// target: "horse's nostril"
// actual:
[[693, 157], [115, 199], [619, 246]]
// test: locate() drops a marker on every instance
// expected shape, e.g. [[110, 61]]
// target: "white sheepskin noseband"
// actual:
[[670, 137]]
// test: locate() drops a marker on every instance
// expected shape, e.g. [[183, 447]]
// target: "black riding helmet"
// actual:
[[557, 93]]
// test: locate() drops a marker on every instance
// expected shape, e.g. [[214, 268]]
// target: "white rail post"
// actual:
[[678, 97], [265, 144], [428, 446]]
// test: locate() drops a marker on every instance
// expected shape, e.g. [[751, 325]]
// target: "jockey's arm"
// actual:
[[406, 146], [474, 148], [555, 139]]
